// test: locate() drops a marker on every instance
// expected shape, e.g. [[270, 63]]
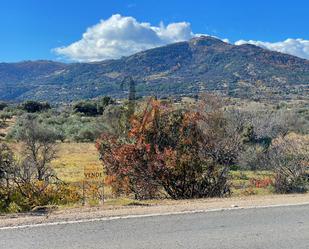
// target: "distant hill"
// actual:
[[201, 64]]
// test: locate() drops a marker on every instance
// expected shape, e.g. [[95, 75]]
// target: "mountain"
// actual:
[[201, 64]]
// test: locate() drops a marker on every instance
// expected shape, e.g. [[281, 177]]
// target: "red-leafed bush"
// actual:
[[181, 153], [261, 183]]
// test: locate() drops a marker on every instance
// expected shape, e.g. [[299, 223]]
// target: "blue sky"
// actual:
[[34, 29]]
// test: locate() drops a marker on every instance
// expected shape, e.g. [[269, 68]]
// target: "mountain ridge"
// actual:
[[201, 64]]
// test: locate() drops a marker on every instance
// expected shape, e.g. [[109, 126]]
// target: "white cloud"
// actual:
[[297, 47], [120, 36]]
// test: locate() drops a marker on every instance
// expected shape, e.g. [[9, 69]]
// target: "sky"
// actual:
[[92, 30]]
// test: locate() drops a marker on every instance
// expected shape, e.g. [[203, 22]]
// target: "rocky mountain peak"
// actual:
[[206, 41]]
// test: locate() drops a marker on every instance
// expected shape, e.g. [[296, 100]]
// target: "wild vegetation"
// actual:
[[194, 148], [29, 180]]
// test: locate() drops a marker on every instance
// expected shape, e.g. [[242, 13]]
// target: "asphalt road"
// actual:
[[275, 228]]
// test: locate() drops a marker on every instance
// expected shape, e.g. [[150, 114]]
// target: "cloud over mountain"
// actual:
[[120, 36], [297, 47]]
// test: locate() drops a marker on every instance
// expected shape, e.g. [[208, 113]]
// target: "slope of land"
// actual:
[[183, 68]]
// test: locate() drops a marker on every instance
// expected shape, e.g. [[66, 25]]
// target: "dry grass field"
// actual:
[[72, 158]]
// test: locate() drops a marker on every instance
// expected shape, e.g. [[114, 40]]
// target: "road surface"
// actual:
[[262, 228]]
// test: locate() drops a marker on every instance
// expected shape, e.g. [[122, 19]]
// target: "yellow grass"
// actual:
[[241, 184], [9, 123], [72, 158]]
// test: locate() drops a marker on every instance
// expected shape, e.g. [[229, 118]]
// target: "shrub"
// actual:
[[252, 157], [7, 163], [26, 196], [34, 106], [86, 107], [40, 194], [261, 183], [182, 152], [39, 149], [3, 105], [93, 107], [86, 135], [103, 102], [289, 158], [4, 116], [20, 191]]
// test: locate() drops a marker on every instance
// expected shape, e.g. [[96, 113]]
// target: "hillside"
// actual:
[[201, 64]]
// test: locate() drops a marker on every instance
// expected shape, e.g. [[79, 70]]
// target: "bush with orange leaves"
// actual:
[[261, 183], [178, 153]]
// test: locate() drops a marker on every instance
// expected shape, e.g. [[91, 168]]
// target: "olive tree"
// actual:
[[39, 148]]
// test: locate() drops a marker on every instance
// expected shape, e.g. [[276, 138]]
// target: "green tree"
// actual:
[[35, 106], [103, 102], [88, 108], [3, 105]]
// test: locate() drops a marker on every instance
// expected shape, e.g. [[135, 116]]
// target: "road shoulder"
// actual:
[[163, 207]]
